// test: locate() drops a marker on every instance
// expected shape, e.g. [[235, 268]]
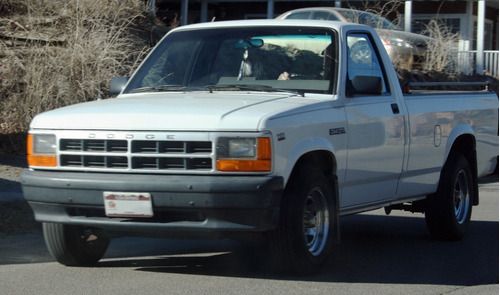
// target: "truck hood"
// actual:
[[221, 111]]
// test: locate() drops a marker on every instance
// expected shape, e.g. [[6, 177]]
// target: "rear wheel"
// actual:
[[302, 241], [448, 211], [74, 245]]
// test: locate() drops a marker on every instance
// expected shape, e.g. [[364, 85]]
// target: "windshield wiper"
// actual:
[[159, 88], [252, 87]]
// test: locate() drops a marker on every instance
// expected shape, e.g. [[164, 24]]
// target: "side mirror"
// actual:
[[117, 85], [364, 85]]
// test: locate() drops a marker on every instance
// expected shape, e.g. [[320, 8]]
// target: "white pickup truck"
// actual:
[[272, 129]]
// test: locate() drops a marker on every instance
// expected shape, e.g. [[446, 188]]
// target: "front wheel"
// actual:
[[448, 211], [302, 241], [74, 245]]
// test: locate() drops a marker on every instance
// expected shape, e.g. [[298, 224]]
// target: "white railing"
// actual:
[[466, 62], [491, 62]]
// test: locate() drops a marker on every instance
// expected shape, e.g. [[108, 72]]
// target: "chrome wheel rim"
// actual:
[[461, 197], [316, 222]]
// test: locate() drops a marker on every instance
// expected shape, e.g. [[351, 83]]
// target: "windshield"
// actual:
[[369, 19], [273, 58]]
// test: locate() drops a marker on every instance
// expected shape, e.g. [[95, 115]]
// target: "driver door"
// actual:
[[375, 128]]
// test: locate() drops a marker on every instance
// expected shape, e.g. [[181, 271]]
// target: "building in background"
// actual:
[[475, 20]]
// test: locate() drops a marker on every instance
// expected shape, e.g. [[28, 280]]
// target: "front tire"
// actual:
[[302, 241], [448, 211], [74, 245]]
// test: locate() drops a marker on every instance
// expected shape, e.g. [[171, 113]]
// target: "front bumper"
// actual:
[[183, 205]]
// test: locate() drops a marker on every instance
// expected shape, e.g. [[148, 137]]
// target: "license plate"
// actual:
[[120, 204]]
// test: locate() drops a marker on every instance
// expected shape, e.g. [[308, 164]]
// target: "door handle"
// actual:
[[395, 108]]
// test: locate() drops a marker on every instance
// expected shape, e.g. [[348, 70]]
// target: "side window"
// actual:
[[299, 15], [363, 61]]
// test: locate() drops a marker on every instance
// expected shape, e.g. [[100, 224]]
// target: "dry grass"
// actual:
[[56, 53], [439, 56]]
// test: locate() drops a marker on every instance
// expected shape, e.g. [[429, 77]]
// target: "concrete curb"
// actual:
[[476, 290]]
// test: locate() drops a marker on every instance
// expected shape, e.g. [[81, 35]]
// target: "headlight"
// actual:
[[244, 154], [238, 147], [44, 144], [42, 150], [397, 42]]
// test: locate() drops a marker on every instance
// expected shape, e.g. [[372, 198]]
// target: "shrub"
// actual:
[[439, 56], [60, 52]]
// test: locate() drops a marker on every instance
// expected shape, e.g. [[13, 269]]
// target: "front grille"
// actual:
[[139, 155]]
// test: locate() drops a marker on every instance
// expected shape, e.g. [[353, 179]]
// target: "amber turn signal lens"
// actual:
[[264, 148], [244, 165], [45, 161], [29, 145]]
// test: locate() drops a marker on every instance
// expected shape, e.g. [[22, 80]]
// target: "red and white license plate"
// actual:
[[121, 204]]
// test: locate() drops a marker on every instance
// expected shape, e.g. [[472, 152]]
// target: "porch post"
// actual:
[[204, 11], [466, 59], [270, 9], [408, 13], [184, 12], [469, 32], [480, 36]]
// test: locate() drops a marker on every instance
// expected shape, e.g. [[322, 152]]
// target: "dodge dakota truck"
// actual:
[[271, 130]]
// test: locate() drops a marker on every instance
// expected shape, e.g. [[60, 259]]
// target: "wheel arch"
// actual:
[[309, 221], [319, 150], [465, 144], [461, 139], [326, 161]]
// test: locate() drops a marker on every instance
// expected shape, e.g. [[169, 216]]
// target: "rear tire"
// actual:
[[302, 241], [448, 211], [74, 245]]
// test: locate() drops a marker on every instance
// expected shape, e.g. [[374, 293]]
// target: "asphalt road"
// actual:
[[378, 255]]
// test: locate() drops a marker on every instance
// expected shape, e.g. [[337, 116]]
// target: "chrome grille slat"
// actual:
[[172, 147], [94, 145], [136, 155], [71, 145], [119, 146]]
